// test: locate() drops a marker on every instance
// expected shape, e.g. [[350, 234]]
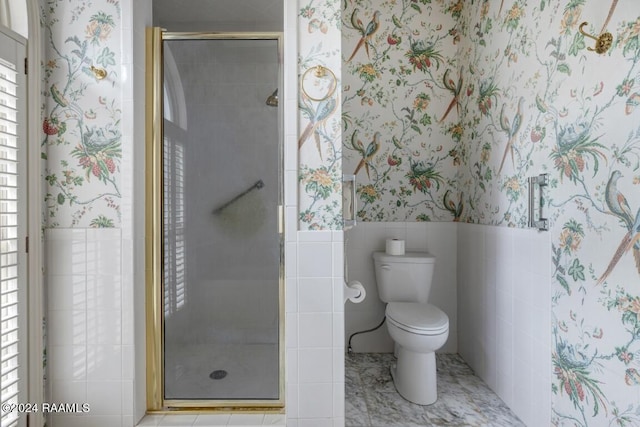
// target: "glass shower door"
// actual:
[[221, 244]]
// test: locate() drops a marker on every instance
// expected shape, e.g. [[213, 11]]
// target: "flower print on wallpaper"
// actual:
[[320, 137], [401, 108], [81, 125]]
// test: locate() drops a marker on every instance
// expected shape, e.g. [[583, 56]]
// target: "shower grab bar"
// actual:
[[349, 201], [258, 185], [536, 202]]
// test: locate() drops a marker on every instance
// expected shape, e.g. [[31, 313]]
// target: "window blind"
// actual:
[[9, 269]]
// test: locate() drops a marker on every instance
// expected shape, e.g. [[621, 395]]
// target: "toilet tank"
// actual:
[[404, 278]]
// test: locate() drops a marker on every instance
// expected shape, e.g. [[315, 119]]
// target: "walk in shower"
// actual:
[[214, 212]]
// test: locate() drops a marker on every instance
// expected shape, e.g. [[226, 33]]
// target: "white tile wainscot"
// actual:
[[90, 350], [314, 330], [504, 314]]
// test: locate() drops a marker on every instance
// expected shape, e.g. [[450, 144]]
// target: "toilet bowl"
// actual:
[[418, 330]]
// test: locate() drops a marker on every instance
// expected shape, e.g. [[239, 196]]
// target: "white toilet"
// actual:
[[417, 328]]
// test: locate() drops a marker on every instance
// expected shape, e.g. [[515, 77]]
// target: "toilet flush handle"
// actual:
[[385, 267]]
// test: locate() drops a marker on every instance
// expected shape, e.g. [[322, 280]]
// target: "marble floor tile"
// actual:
[[463, 398]]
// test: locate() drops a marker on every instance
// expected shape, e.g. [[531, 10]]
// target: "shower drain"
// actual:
[[218, 374]]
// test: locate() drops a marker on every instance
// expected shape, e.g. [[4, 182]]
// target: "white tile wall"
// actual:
[[504, 314], [314, 331], [365, 238], [87, 359]]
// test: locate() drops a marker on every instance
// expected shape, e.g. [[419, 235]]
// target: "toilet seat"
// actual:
[[417, 318]]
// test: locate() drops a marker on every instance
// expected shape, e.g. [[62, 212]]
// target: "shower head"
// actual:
[[272, 100]]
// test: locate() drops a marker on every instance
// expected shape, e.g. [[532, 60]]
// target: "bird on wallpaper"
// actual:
[[365, 32], [511, 128], [451, 206], [317, 117], [616, 202], [618, 205], [455, 89], [368, 153]]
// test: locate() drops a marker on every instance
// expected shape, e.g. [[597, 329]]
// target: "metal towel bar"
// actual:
[[258, 185]]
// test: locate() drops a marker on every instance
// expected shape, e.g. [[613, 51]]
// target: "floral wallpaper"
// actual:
[[402, 93], [81, 135], [451, 109], [319, 121]]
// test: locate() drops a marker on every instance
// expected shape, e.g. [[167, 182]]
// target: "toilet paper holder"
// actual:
[[354, 291]]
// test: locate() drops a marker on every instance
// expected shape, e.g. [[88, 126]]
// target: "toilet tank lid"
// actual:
[[408, 257]]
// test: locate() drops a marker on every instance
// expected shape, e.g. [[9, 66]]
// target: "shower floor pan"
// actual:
[[193, 372]]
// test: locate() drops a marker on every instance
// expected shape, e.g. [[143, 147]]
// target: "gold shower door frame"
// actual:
[[156, 403]]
